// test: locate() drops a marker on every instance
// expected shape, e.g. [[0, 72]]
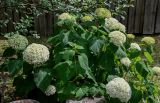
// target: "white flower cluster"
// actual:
[[18, 42], [51, 90], [119, 88], [103, 13], [130, 36], [66, 16], [135, 46], [126, 61], [148, 40], [117, 38], [87, 18], [3, 46], [156, 70], [36, 54], [113, 24]]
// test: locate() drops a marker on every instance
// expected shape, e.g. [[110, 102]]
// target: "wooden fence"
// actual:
[[144, 18]]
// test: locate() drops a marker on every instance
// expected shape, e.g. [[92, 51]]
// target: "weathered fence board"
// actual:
[[150, 16], [157, 23], [131, 19], [138, 25], [144, 18]]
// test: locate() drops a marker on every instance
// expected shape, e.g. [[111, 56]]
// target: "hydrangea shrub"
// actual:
[[87, 58]]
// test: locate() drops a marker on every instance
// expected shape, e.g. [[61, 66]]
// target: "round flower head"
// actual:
[[113, 24], [51, 90], [3, 46], [119, 88], [135, 46], [126, 61], [130, 36], [36, 54], [148, 40], [121, 28], [103, 13], [117, 38], [156, 70], [18, 42], [66, 16], [87, 18]]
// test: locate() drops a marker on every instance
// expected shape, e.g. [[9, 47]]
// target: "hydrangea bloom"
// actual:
[[148, 40], [130, 36], [156, 70], [119, 88], [126, 61], [51, 90], [87, 18], [117, 38], [18, 42], [66, 16], [36, 54], [3, 46], [135, 46], [113, 24], [103, 13]]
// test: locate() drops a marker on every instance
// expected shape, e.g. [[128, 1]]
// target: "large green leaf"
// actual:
[[66, 37], [62, 71], [82, 91], [120, 53], [83, 61], [75, 46], [14, 66], [142, 69], [96, 46], [43, 78], [67, 54], [107, 62], [66, 91], [136, 94], [148, 57]]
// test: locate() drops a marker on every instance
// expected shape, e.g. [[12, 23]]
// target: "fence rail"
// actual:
[[144, 18]]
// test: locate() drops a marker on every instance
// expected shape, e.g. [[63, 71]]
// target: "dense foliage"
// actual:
[[86, 57], [30, 9]]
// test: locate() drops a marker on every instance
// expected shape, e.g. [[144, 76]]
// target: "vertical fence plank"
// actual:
[[10, 26], [139, 16], [157, 23], [3, 17], [49, 24], [131, 18], [42, 25], [149, 16]]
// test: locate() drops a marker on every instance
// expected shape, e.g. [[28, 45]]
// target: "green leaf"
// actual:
[[148, 56], [134, 54], [66, 91], [76, 46], [66, 37], [120, 53], [14, 66], [96, 46], [136, 94], [62, 71], [67, 54], [81, 92], [54, 40], [142, 69], [43, 78], [83, 61]]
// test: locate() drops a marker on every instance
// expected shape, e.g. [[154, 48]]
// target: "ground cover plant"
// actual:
[[89, 55]]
